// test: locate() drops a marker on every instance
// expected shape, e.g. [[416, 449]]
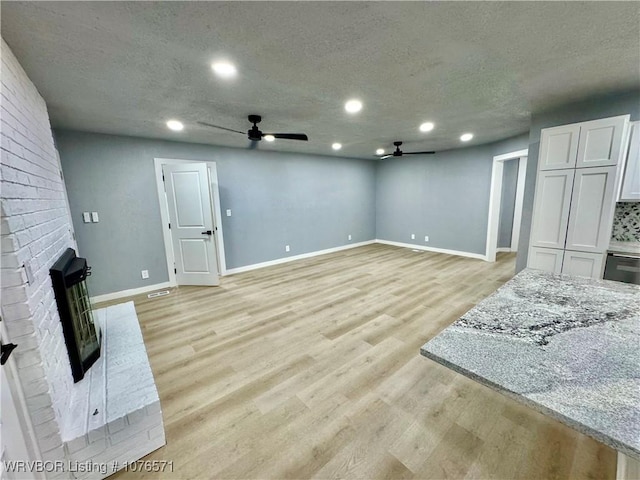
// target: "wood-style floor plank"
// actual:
[[311, 369]]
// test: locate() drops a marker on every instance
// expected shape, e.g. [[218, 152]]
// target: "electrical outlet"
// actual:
[[413, 236], [145, 274], [228, 212], [286, 248], [349, 237], [86, 217], [426, 238], [94, 217]]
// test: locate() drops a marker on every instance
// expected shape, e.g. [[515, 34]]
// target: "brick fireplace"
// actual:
[[36, 231]]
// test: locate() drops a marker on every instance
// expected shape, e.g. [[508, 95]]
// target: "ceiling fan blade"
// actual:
[[289, 136], [418, 153], [221, 128], [386, 156]]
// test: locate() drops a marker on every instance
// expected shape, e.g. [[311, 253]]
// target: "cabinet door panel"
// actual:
[[551, 208], [583, 264], [631, 182], [545, 259], [601, 142], [591, 212], [558, 147]]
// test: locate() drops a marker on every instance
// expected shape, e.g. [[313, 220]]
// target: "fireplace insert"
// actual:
[[81, 333]]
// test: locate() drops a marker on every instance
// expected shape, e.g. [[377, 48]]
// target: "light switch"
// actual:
[[228, 212], [94, 217], [86, 217]]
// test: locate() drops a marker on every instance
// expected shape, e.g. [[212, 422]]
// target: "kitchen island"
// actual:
[[565, 346]]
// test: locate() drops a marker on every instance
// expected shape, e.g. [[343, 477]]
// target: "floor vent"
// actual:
[[158, 294]]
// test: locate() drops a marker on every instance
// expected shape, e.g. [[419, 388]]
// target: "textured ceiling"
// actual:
[[481, 67]]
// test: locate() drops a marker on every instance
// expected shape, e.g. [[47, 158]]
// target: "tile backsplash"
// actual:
[[626, 222]]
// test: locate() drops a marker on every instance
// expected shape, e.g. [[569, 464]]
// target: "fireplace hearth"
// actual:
[[81, 333]]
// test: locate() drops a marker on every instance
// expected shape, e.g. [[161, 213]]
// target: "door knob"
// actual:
[[208, 232]]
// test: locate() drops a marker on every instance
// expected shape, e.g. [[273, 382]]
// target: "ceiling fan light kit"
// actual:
[[255, 134]]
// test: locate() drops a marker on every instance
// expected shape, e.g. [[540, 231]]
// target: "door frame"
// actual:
[[26, 441], [214, 192], [495, 198]]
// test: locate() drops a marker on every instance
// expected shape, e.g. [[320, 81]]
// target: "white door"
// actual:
[[191, 223], [551, 208], [545, 259], [591, 214], [583, 264], [631, 182], [601, 142], [558, 147]]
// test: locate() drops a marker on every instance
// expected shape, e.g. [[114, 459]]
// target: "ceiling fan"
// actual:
[[398, 153], [254, 133]]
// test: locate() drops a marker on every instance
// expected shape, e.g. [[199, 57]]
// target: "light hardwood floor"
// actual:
[[311, 369]]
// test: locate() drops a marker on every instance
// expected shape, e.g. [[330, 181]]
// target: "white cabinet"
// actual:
[[546, 259], [551, 208], [575, 193], [601, 142], [592, 204], [559, 147], [631, 183], [598, 143], [583, 264]]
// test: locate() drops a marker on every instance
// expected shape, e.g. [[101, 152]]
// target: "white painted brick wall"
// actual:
[[35, 230]]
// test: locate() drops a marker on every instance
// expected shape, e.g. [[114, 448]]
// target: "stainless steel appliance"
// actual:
[[623, 268]]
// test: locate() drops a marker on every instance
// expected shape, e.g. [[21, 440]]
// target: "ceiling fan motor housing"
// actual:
[[254, 134]]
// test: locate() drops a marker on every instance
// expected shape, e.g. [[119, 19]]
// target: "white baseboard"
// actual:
[[627, 468], [278, 261], [503, 249], [478, 256], [130, 293]]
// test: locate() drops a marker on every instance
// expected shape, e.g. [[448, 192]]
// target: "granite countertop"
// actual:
[[568, 347], [624, 247]]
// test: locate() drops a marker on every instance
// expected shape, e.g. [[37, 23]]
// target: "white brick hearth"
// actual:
[[117, 415]]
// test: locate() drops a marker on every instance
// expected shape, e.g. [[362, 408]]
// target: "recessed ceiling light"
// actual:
[[426, 127], [269, 138], [175, 125], [336, 146], [380, 151], [224, 69], [353, 106], [465, 137]]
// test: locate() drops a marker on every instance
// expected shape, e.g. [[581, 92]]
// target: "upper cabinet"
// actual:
[[630, 191], [597, 143], [578, 169], [601, 142], [559, 147]]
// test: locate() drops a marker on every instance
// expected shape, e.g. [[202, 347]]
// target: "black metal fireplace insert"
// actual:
[[81, 333]]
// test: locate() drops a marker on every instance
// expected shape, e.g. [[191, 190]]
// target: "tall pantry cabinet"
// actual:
[[578, 170]]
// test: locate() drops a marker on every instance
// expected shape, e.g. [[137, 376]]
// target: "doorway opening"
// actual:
[[189, 198], [505, 204]]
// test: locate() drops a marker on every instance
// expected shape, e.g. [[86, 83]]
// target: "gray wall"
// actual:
[[444, 196], [507, 203], [309, 202], [597, 107]]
